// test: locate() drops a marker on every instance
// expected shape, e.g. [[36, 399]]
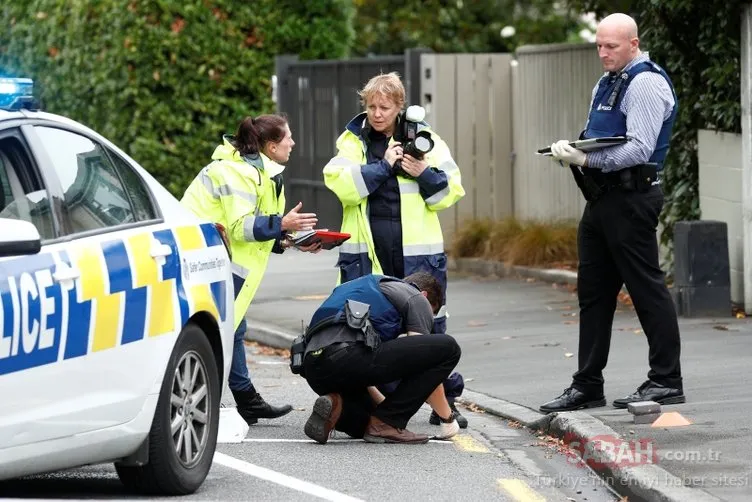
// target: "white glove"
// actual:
[[562, 152]]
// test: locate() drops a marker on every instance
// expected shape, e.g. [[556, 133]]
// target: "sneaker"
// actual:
[[434, 419], [449, 427]]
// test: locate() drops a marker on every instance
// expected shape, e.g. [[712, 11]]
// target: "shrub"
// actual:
[[471, 238], [530, 243], [164, 80]]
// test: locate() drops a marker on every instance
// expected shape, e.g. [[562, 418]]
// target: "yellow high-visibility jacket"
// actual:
[[245, 194], [350, 177]]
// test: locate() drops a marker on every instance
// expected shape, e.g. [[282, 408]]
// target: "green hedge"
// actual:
[[164, 79]]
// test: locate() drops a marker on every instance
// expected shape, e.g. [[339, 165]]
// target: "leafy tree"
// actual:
[[699, 45], [390, 27], [164, 80]]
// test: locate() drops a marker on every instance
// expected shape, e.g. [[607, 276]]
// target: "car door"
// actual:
[[32, 316], [122, 263]]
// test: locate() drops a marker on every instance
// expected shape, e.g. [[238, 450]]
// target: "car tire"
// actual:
[[176, 466]]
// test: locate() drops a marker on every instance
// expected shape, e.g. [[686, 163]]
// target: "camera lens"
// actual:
[[423, 144]]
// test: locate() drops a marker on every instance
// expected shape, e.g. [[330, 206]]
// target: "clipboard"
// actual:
[[588, 145], [327, 238]]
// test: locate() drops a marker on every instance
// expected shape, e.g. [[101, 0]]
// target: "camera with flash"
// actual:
[[414, 142]]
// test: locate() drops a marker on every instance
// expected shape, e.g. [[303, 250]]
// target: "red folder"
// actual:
[[327, 239]]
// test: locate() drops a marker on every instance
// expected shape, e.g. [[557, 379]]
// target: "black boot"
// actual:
[[251, 406]]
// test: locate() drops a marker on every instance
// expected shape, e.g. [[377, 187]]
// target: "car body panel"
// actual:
[[89, 323]]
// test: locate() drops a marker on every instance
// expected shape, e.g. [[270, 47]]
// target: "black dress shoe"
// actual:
[[651, 391], [251, 406], [572, 399]]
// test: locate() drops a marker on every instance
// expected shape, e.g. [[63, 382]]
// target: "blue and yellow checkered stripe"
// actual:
[[124, 294]]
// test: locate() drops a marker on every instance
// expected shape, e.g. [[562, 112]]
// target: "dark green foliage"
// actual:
[[164, 79], [391, 26], [698, 43]]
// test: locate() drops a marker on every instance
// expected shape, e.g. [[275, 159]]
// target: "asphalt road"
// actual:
[[492, 460]]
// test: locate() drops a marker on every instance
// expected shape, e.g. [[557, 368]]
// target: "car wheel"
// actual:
[[183, 434]]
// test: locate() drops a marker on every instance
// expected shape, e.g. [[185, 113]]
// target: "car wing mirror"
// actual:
[[18, 237]]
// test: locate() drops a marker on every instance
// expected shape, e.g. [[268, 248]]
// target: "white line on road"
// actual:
[[282, 479]]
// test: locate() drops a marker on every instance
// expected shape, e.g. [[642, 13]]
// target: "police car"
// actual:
[[115, 310]]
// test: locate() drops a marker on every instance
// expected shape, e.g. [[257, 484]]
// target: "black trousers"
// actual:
[[420, 362], [617, 246]]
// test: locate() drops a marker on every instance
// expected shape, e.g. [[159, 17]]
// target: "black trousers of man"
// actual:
[[617, 245], [420, 362]]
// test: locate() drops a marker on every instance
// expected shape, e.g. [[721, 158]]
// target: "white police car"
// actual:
[[115, 310]]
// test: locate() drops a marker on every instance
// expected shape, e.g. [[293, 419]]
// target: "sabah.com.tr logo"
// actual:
[[608, 452]]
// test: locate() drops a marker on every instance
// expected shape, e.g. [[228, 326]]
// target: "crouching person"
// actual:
[[354, 345]]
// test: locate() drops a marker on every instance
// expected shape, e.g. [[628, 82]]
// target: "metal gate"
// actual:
[[319, 98]]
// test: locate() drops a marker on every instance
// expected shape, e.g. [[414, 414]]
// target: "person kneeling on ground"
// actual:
[[353, 345]]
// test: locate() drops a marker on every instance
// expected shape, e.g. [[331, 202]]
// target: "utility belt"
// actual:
[[594, 184], [356, 316]]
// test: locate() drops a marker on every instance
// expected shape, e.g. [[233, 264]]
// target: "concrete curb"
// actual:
[[268, 334], [479, 266], [643, 482]]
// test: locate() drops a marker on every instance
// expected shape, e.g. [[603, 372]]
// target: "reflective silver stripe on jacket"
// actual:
[[449, 167], [354, 247], [438, 196], [406, 188], [423, 249], [224, 190], [248, 228], [239, 270]]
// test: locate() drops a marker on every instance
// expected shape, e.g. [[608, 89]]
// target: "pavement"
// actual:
[[519, 334]]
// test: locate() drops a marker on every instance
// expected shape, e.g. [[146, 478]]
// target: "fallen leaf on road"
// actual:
[[568, 354], [721, 327], [637, 331], [741, 315], [476, 324], [570, 322]]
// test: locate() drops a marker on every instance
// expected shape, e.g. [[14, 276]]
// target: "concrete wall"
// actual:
[[720, 171]]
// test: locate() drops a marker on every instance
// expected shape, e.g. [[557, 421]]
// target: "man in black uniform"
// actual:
[[616, 238], [349, 352]]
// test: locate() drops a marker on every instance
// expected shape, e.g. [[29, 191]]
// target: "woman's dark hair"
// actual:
[[254, 133]]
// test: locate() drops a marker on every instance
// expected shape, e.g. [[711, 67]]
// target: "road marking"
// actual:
[[520, 491], [466, 442], [310, 297], [282, 479], [344, 440]]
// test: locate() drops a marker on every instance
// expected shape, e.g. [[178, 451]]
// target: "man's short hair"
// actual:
[[428, 283], [388, 84]]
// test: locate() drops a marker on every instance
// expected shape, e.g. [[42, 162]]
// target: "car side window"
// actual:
[[21, 197], [136, 188], [94, 193]]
